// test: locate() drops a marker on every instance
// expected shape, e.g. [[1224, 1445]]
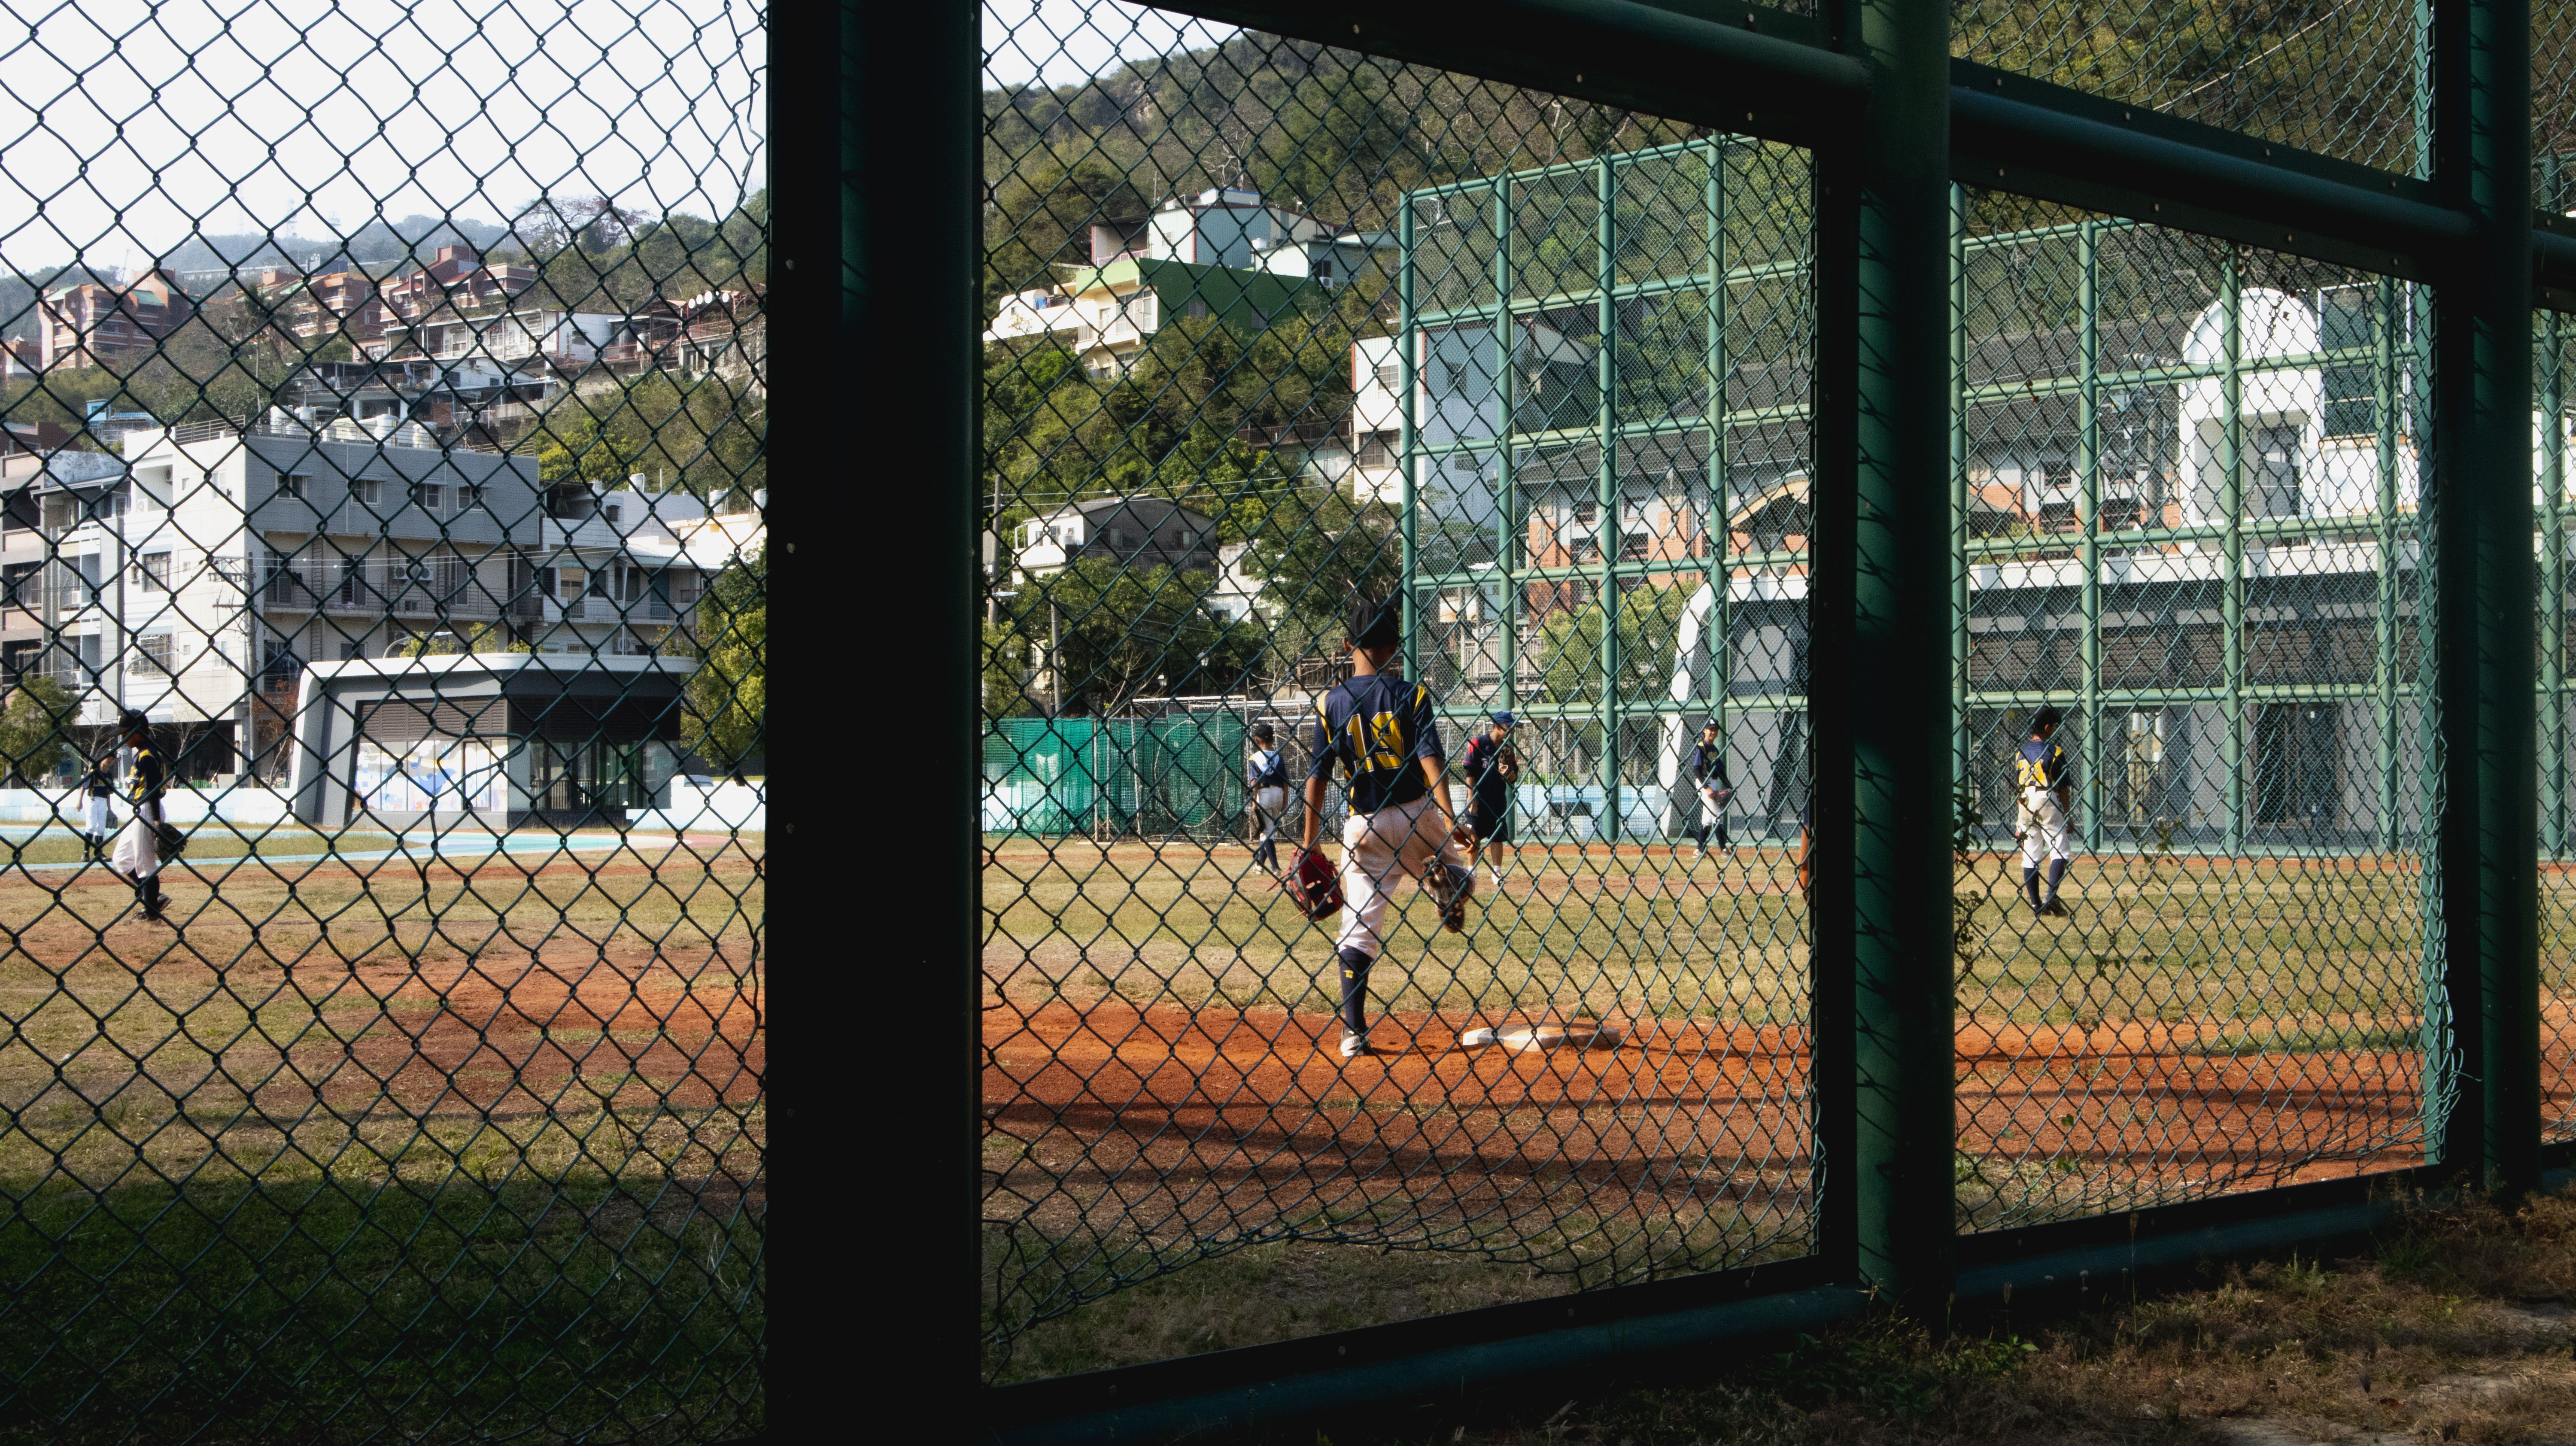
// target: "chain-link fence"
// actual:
[[382, 639], [1273, 325], [1248, 352]]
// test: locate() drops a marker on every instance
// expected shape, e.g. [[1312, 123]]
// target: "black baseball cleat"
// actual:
[[1452, 887]]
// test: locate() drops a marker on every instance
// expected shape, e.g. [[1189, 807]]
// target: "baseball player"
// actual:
[[138, 848], [1708, 775], [1381, 731], [101, 824], [2044, 823], [1492, 768], [1265, 777]]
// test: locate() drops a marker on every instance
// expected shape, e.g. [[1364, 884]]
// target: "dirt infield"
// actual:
[[1254, 1111], [588, 1012]]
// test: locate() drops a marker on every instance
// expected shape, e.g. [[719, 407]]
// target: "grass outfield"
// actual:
[[2262, 944], [472, 1154]]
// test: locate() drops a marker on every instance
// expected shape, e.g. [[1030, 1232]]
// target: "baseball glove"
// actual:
[[1317, 887], [172, 842]]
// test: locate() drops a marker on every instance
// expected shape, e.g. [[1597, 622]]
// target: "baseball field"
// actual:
[[1161, 1075], [491, 1092]]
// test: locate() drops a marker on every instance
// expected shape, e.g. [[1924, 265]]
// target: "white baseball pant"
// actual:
[[1395, 842], [98, 818], [2045, 829]]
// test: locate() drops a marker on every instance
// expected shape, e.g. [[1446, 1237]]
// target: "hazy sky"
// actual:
[[308, 116], [126, 125]]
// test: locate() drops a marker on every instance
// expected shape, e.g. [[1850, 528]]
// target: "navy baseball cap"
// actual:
[[1505, 718]]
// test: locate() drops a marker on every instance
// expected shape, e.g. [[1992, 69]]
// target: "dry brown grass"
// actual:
[[2457, 1328]]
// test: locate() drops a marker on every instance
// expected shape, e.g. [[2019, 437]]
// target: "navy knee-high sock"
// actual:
[[1355, 968], [2056, 875], [2030, 883]]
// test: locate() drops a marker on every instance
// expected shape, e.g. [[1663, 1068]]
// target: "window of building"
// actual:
[[368, 490], [2345, 322], [290, 484], [152, 572], [1197, 309], [152, 653], [615, 513], [572, 581], [429, 496], [1390, 375]]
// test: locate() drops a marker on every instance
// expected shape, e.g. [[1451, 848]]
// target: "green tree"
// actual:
[[35, 728], [1131, 630], [1649, 624], [726, 703], [477, 638], [1041, 216]]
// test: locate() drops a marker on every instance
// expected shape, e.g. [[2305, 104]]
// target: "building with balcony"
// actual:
[[306, 311], [98, 325], [1227, 255], [1138, 531], [457, 279], [196, 576]]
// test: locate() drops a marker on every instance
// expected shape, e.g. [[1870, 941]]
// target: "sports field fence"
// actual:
[[1846, 386], [385, 481]]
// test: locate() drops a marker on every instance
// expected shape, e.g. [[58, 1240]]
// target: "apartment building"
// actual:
[[457, 279], [1138, 531], [195, 576], [1226, 254], [311, 310], [98, 325]]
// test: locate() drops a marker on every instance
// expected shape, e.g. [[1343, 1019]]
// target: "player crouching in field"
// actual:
[[2045, 823], [1381, 730]]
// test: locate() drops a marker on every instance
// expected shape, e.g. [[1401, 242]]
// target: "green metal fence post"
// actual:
[[1961, 593], [2384, 395], [1507, 541], [2554, 594], [1408, 441], [2487, 584], [2552, 431], [2088, 473], [2231, 504], [1719, 636], [1607, 532], [1900, 571]]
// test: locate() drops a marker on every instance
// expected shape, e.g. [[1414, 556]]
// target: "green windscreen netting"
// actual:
[[383, 415]]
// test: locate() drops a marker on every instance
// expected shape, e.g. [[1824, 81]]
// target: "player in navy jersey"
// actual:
[[1381, 732], [138, 848], [1492, 768], [2044, 822], [1265, 778]]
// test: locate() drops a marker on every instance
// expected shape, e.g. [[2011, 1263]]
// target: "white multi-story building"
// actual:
[[1458, 390], [195, 579]]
